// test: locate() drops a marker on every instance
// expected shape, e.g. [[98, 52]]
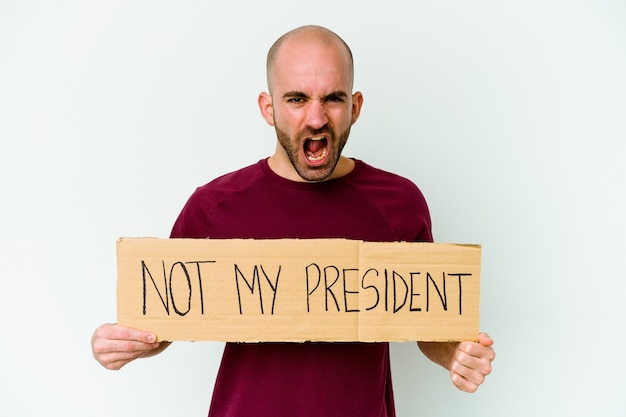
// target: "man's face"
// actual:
[[312, 105]]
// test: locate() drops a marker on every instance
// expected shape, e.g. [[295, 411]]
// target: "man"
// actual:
[[306, 189]]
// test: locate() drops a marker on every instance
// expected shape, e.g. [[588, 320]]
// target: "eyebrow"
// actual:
[[290, 94], [300, 94]]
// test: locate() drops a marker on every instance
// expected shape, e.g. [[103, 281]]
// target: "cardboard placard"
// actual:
[[295, 290]]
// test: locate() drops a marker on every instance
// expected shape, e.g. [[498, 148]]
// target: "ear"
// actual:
[[266, 107], [357, 102]]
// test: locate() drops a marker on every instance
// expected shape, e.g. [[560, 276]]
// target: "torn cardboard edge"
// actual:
[[296, 290]]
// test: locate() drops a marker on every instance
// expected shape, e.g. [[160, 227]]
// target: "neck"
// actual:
[[284, 168]]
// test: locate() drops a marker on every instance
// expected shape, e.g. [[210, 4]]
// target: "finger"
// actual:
[[104, 346], [484, 339], [110, 340], [117, 332], [111, 337], [115, 354], [463, 383], [473, 366], [117, 360], [114, 366], [465, 378], [477, 357], [479, 350]]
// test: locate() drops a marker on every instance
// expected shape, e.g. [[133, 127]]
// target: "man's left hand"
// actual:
[[471, 363]]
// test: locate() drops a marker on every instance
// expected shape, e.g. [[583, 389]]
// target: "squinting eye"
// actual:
[[295, 100]]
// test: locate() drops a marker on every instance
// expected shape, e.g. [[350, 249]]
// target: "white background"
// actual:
[[510, 116]]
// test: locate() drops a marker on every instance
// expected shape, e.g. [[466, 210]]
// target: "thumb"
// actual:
[[484, 339]]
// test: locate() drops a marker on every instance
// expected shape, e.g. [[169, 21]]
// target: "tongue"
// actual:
[[314, 146]]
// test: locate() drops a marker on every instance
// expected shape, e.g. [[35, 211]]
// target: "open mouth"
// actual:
[[316, 149]]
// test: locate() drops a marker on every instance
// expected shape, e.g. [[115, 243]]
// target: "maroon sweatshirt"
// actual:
[[305, 379]]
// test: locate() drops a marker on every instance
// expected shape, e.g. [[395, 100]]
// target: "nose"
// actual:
[[316, 116]]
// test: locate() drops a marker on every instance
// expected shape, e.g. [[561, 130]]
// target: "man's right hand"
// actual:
[[114, 346]]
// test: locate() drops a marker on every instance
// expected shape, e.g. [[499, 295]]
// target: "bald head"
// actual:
[[307, 35]]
